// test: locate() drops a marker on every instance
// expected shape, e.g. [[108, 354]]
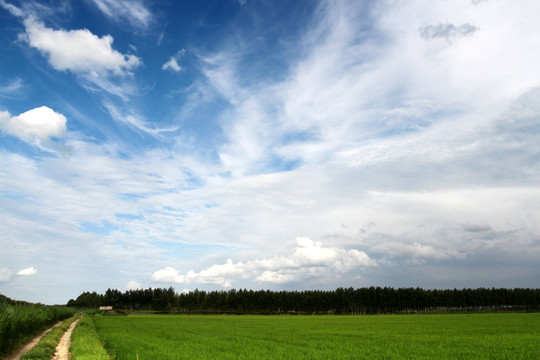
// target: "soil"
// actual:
[[62, 350], [20, 351]]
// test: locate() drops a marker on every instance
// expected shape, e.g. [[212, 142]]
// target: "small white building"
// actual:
[[106, 308]]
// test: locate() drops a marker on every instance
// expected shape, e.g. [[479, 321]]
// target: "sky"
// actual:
[[282, 145]]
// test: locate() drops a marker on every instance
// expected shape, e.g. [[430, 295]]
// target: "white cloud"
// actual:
[[92, 58], [310, 259], [27, 272], [12, 9], [131, 118], [13, 89], [168, 274], [172, 64], [216, 274], [79, 51], [415, 250], [5, 274], [398, 114], [251, 127], [350, 90], [133, 285], [40, 124], [426, 150], [134, 11], [35, 8]]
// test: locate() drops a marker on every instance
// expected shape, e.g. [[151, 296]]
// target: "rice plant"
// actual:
[[85, 342], [449, 336]]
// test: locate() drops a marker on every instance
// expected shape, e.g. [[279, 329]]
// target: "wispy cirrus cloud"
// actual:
[[12, 89], [133, 11], [25, 9], [134, 120], [385, 146], [364, 109]]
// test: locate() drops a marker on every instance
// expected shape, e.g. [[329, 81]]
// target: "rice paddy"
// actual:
[[442, 336]]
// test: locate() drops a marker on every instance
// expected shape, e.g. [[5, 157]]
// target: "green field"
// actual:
[[449, 336]]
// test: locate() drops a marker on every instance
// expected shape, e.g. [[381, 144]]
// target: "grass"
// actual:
[[85, 342], [46, 347], [19, 323], [450, 336]]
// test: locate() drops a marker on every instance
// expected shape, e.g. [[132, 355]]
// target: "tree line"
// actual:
[[372, 300]]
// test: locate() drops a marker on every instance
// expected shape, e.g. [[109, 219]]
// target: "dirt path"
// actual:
[[62, 350], [16, 355]]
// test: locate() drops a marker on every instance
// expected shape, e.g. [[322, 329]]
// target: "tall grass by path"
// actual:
[[46, 347], [19, 323], [450, 336], [85, 342]]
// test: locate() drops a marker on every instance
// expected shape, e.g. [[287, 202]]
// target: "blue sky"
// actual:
[[268, 144]]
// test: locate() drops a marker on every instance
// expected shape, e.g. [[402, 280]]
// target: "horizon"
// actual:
[[260, 144], [185, 292]]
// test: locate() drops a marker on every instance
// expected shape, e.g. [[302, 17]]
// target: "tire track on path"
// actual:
[[62, 349]]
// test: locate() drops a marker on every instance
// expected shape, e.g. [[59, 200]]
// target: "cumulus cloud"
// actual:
[[172, 64], [27, 272], [79, 51], [133, 285], [134, 11], [310, 259], [39, 124], [216, 274], [92, 58]]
